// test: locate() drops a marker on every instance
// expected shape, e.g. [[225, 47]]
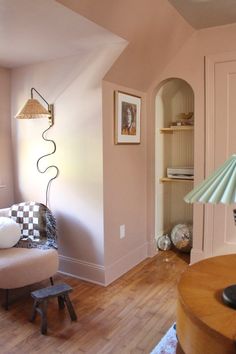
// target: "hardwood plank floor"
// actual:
[[129, 316]]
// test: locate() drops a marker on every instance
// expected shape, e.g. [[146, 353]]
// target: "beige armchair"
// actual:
[[21, 266]]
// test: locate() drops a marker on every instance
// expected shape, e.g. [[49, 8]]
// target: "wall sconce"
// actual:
[[34, 109]]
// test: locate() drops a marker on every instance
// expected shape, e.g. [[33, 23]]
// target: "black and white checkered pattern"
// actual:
[[27, 215], [38, 225]]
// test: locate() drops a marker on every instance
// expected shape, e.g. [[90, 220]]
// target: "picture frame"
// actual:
[[127, 118]]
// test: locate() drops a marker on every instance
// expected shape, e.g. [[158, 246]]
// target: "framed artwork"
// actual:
[[127, 118]]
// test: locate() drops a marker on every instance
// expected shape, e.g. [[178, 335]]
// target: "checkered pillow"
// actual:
[[38, 226]]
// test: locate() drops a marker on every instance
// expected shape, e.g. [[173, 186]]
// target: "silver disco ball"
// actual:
[[182, 236], [164, 243]]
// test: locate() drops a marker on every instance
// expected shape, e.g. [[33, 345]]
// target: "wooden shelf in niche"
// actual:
[[178, 180], [177, 128]]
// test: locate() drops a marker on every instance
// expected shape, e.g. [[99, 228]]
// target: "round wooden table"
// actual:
[[205, 325]]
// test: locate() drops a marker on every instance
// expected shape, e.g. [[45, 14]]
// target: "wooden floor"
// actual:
[[129, 316]]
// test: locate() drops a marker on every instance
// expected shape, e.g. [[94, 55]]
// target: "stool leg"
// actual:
[[34, 312], [43, 313], [51, 281], [70, 308], [61, 302], [6, 299]]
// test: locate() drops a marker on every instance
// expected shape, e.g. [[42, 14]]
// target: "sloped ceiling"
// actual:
[[206, 13], [34, 31], [154, 29]]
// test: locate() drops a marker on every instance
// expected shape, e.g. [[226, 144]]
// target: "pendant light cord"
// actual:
[[51, 166]]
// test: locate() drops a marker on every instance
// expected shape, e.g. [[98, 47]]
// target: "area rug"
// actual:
[[168, 343]]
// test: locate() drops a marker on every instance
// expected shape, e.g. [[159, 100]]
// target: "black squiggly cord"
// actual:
[[51, 166]]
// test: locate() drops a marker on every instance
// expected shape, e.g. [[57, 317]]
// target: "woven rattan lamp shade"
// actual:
[[219, 187], [33, 109]]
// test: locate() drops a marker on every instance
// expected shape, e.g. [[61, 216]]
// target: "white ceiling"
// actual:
[[206, 13], [38, 30]]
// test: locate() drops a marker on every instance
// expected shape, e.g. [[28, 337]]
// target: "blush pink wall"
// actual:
[[154, 54], [74, 85], [6, 171], [116, 184], [152, 43], [188, 64], [124, 191]]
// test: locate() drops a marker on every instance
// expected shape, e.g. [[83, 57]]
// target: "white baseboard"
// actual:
[[125, 263], [83, 270], [101, 275]]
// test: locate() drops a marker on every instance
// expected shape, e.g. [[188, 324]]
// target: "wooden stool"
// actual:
[[41, 296]]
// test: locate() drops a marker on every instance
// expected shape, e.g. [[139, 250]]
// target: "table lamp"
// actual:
[[219, 187]]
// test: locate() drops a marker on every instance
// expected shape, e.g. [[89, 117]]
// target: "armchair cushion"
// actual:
[[9, 232], [23, 266]]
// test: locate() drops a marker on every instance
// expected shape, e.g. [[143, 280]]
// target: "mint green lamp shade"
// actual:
[[219, 187]]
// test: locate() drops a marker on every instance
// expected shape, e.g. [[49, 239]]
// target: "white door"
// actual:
[[220, 231]]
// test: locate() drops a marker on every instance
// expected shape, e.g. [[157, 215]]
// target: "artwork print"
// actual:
[[127, 118]]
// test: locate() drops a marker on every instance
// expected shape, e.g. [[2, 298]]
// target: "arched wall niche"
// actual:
[[174, 148]]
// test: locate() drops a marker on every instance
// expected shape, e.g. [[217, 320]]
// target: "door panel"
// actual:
[[221, 143]]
